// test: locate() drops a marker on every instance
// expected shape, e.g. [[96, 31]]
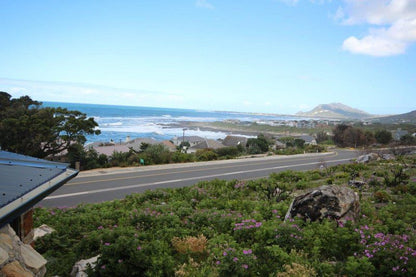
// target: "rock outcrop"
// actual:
[[367, 158], [78, 270], [17, 258], [335, 202]]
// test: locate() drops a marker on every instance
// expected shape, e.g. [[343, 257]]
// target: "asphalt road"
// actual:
[[109, 184]]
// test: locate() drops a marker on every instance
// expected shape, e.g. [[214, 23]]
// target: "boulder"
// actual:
[[367, 158], [42, 230], [78, 270], [330, 201], [388, 157]]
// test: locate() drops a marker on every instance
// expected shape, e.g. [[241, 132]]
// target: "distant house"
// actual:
[[309, 140], [24, 182], [137, 143], [110, 149], [235, 141], [399, 133], [207, 144], [169, 145], [193, 140]]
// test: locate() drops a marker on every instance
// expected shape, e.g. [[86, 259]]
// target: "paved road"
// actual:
[[108, 184]]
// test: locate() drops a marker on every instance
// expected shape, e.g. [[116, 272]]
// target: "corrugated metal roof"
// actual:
[[17, 180], [21, 176]]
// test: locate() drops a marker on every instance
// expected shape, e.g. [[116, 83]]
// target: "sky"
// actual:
[[267, 56]]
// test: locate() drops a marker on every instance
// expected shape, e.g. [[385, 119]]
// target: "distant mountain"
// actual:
[[335, 111], [409, 117]]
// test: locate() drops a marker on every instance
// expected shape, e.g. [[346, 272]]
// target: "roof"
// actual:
[[307, 138], [136, 143], [234, 141], [209, 143], [110, 149], [169, 145], [24, 181]]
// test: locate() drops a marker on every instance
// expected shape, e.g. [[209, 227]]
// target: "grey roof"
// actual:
[[209, 143], [234, 141], [136, 143], [307, 138], [25, 180], [191, 139]]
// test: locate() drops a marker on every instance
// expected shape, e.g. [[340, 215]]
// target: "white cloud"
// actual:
[[393, 26], [204, 4], [289, 2]]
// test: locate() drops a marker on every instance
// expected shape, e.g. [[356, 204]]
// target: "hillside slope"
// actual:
[[336, 111]]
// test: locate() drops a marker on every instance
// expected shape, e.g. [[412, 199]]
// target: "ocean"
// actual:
[[119, 122]]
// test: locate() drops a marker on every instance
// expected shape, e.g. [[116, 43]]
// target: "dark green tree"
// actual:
[[299, 143], [321, 136], [383, 136], [258, 145], [348, 136], [408, 140], [28, 128]]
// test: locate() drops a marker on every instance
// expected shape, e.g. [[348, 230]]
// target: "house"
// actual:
[[24, 181], [207, 144], [309, 140], [137, 143], [399, 133], [235, 140], [193, 140], [110, 149], [169, 145]]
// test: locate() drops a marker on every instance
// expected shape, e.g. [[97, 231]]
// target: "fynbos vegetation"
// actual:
[[237, 228]]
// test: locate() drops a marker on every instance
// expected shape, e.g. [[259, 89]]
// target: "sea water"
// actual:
[[116, 123]]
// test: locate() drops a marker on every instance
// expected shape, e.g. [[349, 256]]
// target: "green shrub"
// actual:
[[206, 155]]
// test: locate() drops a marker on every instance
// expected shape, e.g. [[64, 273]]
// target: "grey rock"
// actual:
[[78, 270], [367, 158], [388, 157], [42, 230], [335, 202]]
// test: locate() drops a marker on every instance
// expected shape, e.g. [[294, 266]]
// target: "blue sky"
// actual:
[[272, 56]]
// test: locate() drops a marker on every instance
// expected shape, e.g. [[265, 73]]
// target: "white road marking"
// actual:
[[181, 180]]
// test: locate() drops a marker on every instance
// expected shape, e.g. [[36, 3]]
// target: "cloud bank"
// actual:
[[392, 26]]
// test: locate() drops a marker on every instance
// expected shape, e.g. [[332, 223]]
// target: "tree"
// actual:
[[348, 136], [258, 145], [28, 128], [321, 136], [408, 140], [383, 136], [299, 143], [339, 134]]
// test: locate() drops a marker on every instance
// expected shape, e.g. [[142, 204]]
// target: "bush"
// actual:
[[228, 152], [179, 157], [381, 196], [206, 155]]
